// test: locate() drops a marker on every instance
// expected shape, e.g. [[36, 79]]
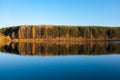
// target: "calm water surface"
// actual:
[[60, 61]]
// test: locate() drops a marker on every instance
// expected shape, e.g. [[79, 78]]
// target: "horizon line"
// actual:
[[58, 25]]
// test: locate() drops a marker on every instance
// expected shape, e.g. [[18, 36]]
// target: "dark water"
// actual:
[[60, 61]]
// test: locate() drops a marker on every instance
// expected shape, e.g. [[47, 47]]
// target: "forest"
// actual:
[[61, 32]]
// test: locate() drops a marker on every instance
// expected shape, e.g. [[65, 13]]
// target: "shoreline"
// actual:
[[64, 40]]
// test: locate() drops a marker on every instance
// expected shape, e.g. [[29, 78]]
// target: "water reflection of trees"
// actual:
[[66, 48]]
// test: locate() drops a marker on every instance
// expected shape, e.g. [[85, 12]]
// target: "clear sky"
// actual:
[[61, 12]]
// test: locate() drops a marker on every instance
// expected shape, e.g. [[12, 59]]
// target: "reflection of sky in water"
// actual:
[[59, 67]]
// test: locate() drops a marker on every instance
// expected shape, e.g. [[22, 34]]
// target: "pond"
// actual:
[[98, 60]]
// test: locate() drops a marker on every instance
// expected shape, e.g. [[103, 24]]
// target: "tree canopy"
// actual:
[[57, 31]]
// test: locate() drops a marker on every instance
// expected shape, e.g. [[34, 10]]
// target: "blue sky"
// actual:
[[60, 12]]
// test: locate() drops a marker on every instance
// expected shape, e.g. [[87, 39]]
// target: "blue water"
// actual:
[[77, 67]]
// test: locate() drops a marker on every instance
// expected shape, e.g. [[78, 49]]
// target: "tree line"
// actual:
[[56, 31]]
